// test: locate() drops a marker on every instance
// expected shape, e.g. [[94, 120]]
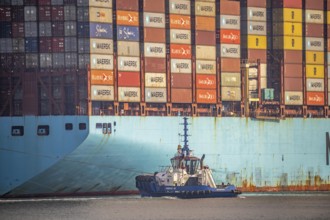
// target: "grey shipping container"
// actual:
[[6, 45], [18, 45], [70, 44], [83, 14], [46, 60], [70, 12], [45, 29], [83, 45], [58, 60], [31, 29], [71, 59], [70, 28], [84, 60], [30, 13], [57, 2], [31, 60], [5, 29], [16, 2]]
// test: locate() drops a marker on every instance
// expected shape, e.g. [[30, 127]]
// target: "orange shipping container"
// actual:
[[206, 96], [179, 21], [101, 77], [128, 18], [205, 23], [181, 51], [181, 95], [315, 98], [129, 79], [206, 81], [230, 36]]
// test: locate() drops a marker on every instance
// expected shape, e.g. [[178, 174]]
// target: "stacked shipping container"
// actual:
[[327, 76]]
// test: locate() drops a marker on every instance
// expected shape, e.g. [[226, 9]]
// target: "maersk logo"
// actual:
[[294, 98], [230, 21], [103, 46], [131, 94], [257, 27], [205, 66], [315, 16], [257, 14], [102, 92], [230, 50], [181, 36], [129, 63], [181, 65], [155, 49], [156, 79], [102, 61], [314, 43], [180, 6], [156, 94], [158, 20], [316, 85], [206, 8]]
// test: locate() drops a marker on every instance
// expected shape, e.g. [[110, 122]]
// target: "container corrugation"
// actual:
[[6, 45], [100, 3], [71, 60], [57, 13], [157, 65], [156, 20], [314, 43], [205, 8], [230, 65], [83, 14], [83, 45], [30, 13], [155, 50], [58, 60], [155, 80], [230, 50], [255, 3], [31, 60], [230, 36], [205, 67], [181, 51], [230, 7], [130, 18], [206, 81], [58, 29], [83, 61], [31, 29], [128, 63], [154, 35], [181, 66], [254, 42], [314, 4], [70, 28], [18, 45], [100, 30], [289, 56], [128, 79], [230, 22], [17, 13], [31, 44], [45, 29], [104, 62], [206, 96], [125, 48], [205, 38], [315, 98], [287, 29], [5, 13], [100, 15], [156, 95], [102, 93], [70, 44], [314, 57], [129, 94], [128, 33], [287, 43], [287, 14], [314, 71], [314, 16], [315, 85], [179, 80], [130, 5], [207, 52], [314, 30], [205, 23], [254, 14], [230, 93], [180, 36], [46, 60], [230, 79], [181, 95], [70, 12], [179, 7], [154, 6], [45, 44], [58, 44], [287, 4], [293, 70], [101, 46], [5, 29], [293, 84], [180, 21], [255, 28], [293, 97]]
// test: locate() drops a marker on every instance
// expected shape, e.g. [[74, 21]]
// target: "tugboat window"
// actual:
[[68, 126], [43, 130], [82, 126], [105, 128], [17, 131], [98, 125], [109, 128]]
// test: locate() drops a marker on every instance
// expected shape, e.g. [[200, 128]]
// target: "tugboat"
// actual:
[[187, 177]]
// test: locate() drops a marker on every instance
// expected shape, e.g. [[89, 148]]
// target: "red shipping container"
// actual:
[[315, 98], [30, 2], [179, 80], [154, 65], [289, 56], [181, 95], [293, 70], [154, 35], [45, 44], [58, 28], [58, 44], [205, 38], [314, 30], [255, 3], [287, 4], [181, 51], [45, 13], [44, 2], [314, 4], [129, 79], [230, 36], [18, 29], [230, 65], [57, 13], [293, 84], [254, 55], [206, 96], [5, 13], [17, 13], [157, 6], [130, 5], [206, 81], [230, 8]]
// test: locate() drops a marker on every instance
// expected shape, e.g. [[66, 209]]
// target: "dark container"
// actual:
[[255, 3], [230, 65], [31, 44], [83, 29], [58, 44], [254, 55], [45, 44], [293, 70], [129, 79], [289, 56], [5, 2], [30, 94], [205, 38], [45, 13], [128, 5], [293, 84], [17, 13], [5, 29], [44, 2], [314, 30], [314, 4], [154, 35], [157, 6], [19, 61], [181, 95], [82, 13], [18, 45], [57, 13], [30, 2], [6, 61], [58, 29], [18, 29], [179, 80], [287, 4], [5, 13], [154, 65], [70, 2], [230, 8]]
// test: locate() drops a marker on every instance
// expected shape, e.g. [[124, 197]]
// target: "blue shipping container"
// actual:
[[5, 29], [128, 33], [101, 30], [83, 29], [31, 44]]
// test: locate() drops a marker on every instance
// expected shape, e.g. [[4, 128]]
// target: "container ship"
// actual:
[[92, 92]]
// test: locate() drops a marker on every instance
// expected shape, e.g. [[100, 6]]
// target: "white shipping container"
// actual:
[[206, 52], [314, 16], [46, 60], [231, 94], [230, 50], [156, 20], [181, 66], [263, 82], [127, 48], [102, 15], [157, 95], [254, 14], [128, 63], [103, 62], [206, 66], [314, 43], [230, 79], [293, 98], [179, 7], [102, 93], [315, 85], [204, 8], [157, 50], [129, 94], [101, 46], [263, 70], [253, 72], [256, 28], [30, 13], [45, 29], [253, 84], [180, 36], [100, 3], [157, 80], [230, 22]]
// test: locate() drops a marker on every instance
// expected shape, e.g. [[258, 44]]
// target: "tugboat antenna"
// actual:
[[185, 136]]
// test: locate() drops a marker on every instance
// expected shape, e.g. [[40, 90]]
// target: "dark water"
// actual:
[[247, 206]]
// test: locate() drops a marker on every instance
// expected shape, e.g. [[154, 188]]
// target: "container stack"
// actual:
[[229, 50], [180, 51], [314, 46], [100, 47], [128, 51], [205, 47], [154, 51], [288, 45], [328, 49]]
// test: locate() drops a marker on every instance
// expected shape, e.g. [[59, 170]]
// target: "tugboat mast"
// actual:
[[185, 149]]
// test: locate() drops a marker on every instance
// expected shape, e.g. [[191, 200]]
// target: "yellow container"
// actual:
[[328, 16], [292, 14], [257, 42], [292, 29], [287, 43], [314, 57], [315, 71]]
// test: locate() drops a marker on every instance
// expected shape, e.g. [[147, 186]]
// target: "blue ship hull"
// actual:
[[254, 155]]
